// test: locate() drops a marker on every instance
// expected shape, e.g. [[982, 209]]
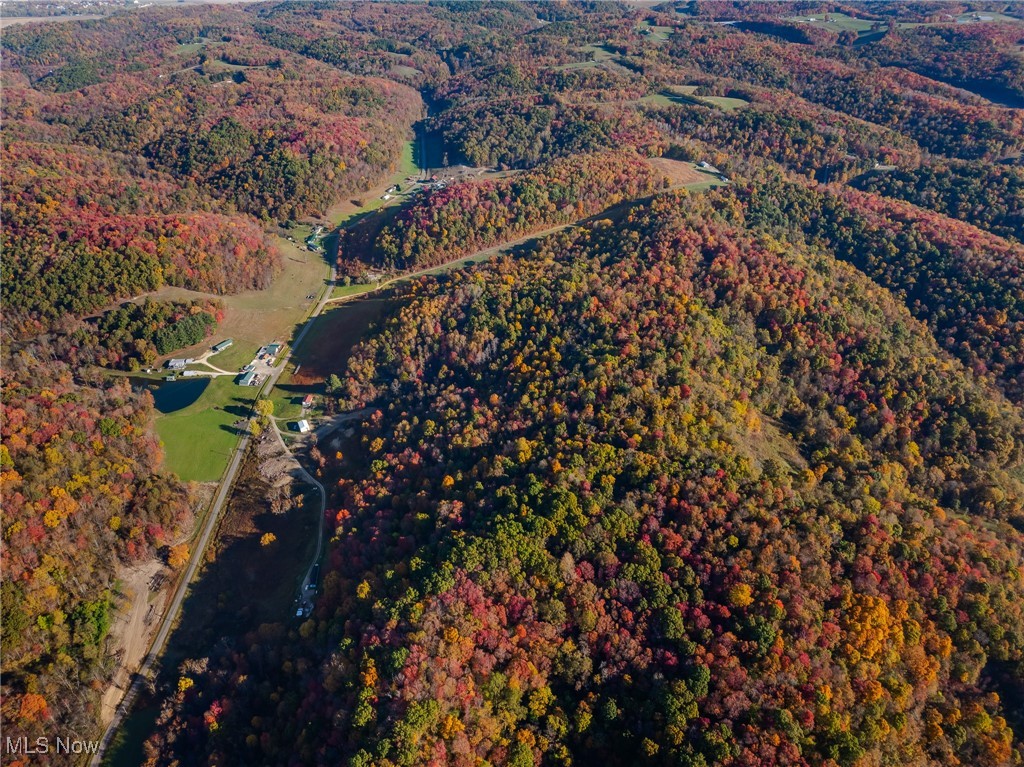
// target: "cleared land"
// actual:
[[685, 174], [837, 21], [682, 94], [655, 31], [728, 103], [198, 440]]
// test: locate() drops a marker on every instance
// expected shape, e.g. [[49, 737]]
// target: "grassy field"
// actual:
[[836, 21], [187, 49], [985, 16], [681, 94], [665, 100], [600, 56], [198, 440], [725, 102], [344, 291], [405, 71], [654, 31], [686, 174]]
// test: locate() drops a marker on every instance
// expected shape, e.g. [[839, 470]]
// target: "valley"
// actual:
[[515, 383]]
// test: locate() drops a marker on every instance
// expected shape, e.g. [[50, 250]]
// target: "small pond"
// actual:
[[171, 396]]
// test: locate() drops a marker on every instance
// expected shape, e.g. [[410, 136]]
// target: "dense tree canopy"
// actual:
[[618, 494], [728, 476]]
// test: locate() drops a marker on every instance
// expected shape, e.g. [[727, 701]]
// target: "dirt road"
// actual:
[[132, 630]]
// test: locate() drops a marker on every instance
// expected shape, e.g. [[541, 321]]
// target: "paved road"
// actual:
[[199, 551], [199, 548]]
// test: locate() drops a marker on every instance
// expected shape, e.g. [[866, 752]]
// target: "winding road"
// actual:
[[223, 492], [199, 548]]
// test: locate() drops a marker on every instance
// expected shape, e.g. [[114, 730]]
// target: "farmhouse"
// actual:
[[307, 402], [273, 349], [177, 364]]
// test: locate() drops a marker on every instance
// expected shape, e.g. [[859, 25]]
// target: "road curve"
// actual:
[[229, 478], [323, 507], [199, 549]]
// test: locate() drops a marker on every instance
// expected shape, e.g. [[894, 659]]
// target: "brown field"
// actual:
[[679, 172], [329, 344]]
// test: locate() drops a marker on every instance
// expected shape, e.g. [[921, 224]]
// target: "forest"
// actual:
[[468, 217], [720, 468], [616, 495]]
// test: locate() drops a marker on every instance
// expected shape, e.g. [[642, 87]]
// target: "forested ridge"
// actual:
[[133, 159], [729, 474], [618, 495]]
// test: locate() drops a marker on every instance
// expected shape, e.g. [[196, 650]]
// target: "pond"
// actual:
[[171, 396]]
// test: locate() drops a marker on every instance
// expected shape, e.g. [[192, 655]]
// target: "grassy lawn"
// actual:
[[187, 49], [343, 291], [232, 358], [702, 186], [199, 439], [656, 32], [287, 405], [683, 94]]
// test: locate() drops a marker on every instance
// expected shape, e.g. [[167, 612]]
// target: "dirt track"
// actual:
[[132, 631]]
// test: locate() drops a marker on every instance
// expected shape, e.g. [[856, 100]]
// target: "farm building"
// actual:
[[249, 379], [273, 349], [303, 426], [223, 344]]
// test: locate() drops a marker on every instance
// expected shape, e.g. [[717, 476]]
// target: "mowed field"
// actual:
[[688, 94], [198, 440]]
